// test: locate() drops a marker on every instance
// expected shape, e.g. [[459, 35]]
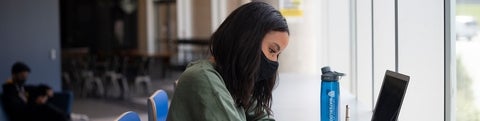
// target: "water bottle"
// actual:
[[329, 95]]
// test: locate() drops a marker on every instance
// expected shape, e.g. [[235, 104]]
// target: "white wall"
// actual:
[[421, 55], [301, 55], [338, 41], [420, 50], [384, 41], [364, 51]]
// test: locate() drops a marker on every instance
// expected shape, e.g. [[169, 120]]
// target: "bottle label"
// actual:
[[331, 105]]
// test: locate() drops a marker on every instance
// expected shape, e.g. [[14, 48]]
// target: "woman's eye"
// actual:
[[272, 51]]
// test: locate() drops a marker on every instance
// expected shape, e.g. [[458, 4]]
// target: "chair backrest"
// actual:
[[63, 100], [128, 116], [158, 106]]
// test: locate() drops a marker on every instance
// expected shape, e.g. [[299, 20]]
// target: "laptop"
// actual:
[[390, 97]]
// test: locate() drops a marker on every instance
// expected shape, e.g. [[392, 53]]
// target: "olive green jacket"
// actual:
[[201, 95]]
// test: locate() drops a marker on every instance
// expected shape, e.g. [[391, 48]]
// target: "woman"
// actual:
[[236, 83]]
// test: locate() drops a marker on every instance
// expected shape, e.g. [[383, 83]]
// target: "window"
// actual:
[[467, 58]]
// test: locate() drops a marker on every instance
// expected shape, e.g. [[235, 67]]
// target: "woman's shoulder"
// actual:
[[200, 68], [201, 73]]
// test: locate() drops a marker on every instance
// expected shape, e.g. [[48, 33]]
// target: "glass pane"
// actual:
[[468, 68]]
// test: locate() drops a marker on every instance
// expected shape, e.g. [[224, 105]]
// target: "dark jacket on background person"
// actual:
[[14, 100]]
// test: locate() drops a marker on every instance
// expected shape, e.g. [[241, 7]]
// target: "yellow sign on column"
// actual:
[[291, 8]]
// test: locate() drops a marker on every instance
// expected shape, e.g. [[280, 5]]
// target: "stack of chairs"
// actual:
[[108, 75]]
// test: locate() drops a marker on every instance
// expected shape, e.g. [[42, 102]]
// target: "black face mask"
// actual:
[[268, 68]]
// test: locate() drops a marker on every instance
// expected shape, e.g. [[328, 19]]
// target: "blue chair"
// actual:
[[128, 116], [63, 100], [158, 106]]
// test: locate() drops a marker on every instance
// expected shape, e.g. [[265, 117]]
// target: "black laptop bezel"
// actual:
[[398, 76]]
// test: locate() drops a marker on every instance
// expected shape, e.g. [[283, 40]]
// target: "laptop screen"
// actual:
[[391, 96]]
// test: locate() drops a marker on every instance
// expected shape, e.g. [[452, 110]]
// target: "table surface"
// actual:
[[297, 98]]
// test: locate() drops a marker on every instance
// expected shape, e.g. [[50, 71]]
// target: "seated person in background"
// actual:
[[20, 100], [14, 93]]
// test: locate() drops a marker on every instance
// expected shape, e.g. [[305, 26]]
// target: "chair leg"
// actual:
[[125, 88], [148, 85], [88, 81], [85, 87], [100, 88], [114, 86], [138, 84]]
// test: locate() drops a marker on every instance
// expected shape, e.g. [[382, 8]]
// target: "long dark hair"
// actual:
[[236, 47]]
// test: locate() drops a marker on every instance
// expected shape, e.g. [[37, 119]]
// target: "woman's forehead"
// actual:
[[277, 38]]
